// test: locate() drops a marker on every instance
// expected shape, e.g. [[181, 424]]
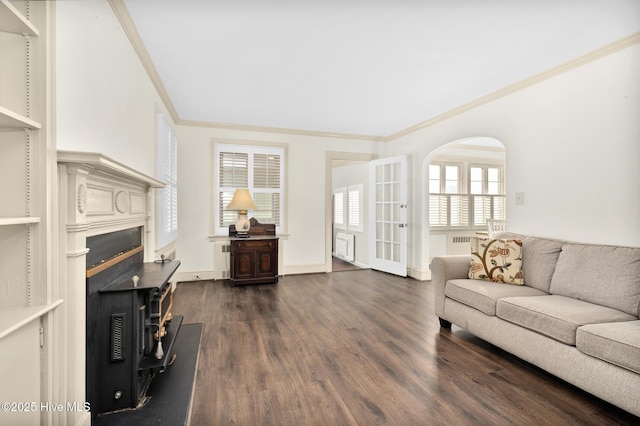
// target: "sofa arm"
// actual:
[[443, 269]]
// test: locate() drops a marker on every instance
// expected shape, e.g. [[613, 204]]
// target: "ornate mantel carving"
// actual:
[[106, 195]]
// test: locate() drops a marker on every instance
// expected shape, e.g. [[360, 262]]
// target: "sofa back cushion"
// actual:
[[539, 258], [605, 275]]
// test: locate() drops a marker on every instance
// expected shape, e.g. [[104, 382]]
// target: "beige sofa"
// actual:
[[576, 316]]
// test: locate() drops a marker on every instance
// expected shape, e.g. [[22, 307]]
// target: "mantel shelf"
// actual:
[[19, 220], [14, 318], [12, 119], [11, 20]]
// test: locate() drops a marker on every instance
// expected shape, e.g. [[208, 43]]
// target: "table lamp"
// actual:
[[242, 202]]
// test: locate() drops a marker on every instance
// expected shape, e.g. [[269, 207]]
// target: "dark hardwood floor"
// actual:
[[361, 348], [339, 265]]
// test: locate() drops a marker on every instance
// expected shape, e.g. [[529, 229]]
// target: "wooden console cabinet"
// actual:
[[254, 259]]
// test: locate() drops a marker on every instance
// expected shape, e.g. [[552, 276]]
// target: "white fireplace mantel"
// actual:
[[97, 195], [102, 163]]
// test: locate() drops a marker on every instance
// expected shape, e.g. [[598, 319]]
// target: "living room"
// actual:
[[569, 129]]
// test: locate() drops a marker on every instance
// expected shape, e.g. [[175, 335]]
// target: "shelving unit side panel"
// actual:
[[20, 372], [13, 172], [14, 265]]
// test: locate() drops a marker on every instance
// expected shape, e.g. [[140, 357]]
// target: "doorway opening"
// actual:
[[347, 177]]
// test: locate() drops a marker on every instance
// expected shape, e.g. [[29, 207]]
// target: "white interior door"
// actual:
[[388, 215]]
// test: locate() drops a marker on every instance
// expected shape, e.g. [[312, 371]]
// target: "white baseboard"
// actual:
[[193, 276], [304, 269], [419, 274], [185, 276]]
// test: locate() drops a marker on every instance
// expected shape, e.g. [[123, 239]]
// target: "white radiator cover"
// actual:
[[345, 244], [458, 244], [221, 268]]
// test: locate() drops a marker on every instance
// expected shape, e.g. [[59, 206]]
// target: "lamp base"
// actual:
[[243, 224]]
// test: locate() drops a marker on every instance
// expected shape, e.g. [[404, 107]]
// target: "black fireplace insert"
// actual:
[[130, 328]]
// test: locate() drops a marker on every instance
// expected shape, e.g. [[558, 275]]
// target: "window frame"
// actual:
[[251, 150], [447, 200]]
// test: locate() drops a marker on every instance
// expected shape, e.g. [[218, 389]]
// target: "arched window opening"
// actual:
[[466, 186]]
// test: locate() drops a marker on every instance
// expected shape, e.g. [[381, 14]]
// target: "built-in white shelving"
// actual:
[[12, 119], [29, 302], [14, 318], [19, 220], [11, 20]]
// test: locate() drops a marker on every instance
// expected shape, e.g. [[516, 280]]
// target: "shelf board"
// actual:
[[14, 318], [11, 20], [19, 220], [9, 118]]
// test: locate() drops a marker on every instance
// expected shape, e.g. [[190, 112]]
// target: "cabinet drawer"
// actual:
[[253, 244]]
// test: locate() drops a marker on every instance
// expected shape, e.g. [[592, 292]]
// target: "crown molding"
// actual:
[[122, 13], [545, 75], [280, 130]]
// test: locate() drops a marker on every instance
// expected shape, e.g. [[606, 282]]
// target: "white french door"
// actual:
[[388, 215]]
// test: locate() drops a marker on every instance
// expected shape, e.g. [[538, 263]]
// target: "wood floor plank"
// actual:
[[361, 348]]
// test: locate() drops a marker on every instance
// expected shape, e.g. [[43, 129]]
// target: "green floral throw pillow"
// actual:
[[496, 260]]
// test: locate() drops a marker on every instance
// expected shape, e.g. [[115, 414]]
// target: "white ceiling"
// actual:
[[366, 67]]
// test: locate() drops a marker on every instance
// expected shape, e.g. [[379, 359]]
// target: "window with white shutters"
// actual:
[[456, 202], [167, 172], [339, 208], [257, 168], [354, 208]]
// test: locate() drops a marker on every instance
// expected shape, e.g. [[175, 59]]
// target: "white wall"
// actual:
[[573, 148], [303, 244], [105, 100]]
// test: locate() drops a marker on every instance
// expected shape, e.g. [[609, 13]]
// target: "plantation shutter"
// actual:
[[256, 168], [338, 209], [438, 210], [354, 208], [233, 173], [266, 187], [167, 171]]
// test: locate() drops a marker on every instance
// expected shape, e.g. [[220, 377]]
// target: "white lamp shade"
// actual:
[[242, 201]]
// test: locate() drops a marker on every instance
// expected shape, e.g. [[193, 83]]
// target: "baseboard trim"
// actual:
[[419, 274]]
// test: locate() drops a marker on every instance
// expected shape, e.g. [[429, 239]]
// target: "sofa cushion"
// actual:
[[539, 258], [496, 260], [617, 343], [604, 275], [483, 295], [556, 316]]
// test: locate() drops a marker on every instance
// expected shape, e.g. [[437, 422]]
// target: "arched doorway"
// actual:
[[464, 184]]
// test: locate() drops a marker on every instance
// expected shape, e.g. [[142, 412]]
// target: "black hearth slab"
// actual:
[[150, 275], [170, 392]]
